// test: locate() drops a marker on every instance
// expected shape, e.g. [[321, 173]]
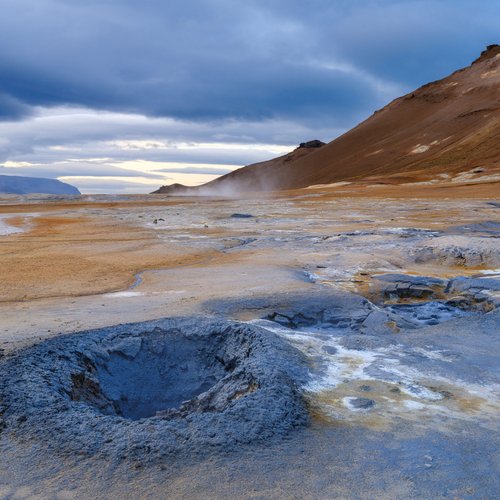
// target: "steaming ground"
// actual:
[[390, 303]]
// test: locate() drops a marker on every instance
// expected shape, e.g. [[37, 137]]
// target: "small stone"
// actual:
[[458, 301], [420, 291], [329, 349], [241, 216], [446, 394], [128, 347], [480, 297], [362, 403]]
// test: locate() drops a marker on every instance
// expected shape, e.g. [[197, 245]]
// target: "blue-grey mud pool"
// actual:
[[297, 346]]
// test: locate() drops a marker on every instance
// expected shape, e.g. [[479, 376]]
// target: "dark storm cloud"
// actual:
[[221, 59], [11, 108], [417, 41], [201, 60]]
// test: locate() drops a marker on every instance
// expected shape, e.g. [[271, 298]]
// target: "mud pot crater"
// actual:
[[148, 390]]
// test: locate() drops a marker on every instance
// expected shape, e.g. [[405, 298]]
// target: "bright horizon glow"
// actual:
[[126, 152]]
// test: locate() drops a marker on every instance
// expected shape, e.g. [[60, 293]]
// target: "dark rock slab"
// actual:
[[242, 216], [462, 284], [410, 279]]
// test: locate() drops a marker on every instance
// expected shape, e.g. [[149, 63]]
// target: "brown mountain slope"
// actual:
[[441, 129], [255, 175]]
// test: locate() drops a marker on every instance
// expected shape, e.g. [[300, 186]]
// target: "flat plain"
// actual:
[[389, 292]]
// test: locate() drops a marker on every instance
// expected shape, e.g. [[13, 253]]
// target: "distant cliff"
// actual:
[[14, 184]]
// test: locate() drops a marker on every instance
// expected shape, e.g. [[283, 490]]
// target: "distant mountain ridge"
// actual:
[[440, 130], [16, 184]]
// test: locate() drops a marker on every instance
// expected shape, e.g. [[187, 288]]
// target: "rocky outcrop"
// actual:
[[173, 189], [312, 144]]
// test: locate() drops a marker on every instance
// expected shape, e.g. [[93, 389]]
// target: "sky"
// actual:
[[122, 96]]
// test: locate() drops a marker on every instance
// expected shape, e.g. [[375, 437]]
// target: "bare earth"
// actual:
[[87, 263]]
